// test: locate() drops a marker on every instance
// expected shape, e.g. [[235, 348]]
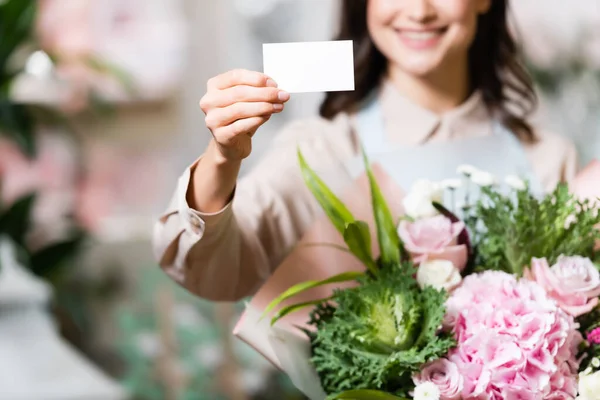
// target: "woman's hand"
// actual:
[[236, 104]]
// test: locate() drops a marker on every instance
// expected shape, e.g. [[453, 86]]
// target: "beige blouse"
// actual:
[[226, 255]]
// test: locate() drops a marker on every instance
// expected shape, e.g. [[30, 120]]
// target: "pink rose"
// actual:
[[574, 282], [445, 375], [434, 238]]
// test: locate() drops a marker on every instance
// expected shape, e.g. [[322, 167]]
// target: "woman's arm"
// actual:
[[227, 254]]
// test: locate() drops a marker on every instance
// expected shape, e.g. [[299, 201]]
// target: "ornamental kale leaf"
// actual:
[[509, 230], [378, 334]]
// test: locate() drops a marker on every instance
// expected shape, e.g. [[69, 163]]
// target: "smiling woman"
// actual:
[[440, 52], [428, 73]]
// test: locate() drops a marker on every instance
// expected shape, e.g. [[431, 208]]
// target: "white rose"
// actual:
[[515, 182], [589, 386], [418, 202], [441, 274], [426, 391], [483, 178]]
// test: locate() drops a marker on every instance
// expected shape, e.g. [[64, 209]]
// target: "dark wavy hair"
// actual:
[[495, 68]]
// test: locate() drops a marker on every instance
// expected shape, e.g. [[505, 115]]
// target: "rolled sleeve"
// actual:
[[197, 223], [181, 227]]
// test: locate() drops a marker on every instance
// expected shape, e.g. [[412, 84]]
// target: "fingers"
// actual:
[[239, 77], [221, 117], [243, 93], [236, 104], [247, 126]]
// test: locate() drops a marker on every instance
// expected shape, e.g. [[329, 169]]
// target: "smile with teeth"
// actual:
[[421, 39], [421, 35]]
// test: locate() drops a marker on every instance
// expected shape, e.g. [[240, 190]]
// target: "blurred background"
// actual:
[[96, 125]]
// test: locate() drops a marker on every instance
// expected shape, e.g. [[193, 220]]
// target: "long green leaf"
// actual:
[[295, 307], [337, 212], [304, 286], [358, 238], [387, 235], [364, 394]]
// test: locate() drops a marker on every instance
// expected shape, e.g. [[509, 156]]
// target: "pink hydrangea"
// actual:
[[514, 342]]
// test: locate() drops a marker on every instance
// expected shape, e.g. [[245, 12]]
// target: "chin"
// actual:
[[418, 68]]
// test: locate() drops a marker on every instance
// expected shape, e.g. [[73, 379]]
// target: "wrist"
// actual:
[[217, 158]]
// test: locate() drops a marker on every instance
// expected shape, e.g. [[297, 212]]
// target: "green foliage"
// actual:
[[370, 339], [16, 220], [296, 307], [50, 261], [509, 230], [17, 124], [47, 262], [304, 286], [389, 242], [336, 211], [16, 26], [378, 334]]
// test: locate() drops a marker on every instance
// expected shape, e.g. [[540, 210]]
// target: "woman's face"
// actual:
[[422, 36]]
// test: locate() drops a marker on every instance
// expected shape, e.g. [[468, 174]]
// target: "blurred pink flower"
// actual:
[[146, 39], [51, 175], [51, 171], [513, 340], [63, 28], [119, 181]]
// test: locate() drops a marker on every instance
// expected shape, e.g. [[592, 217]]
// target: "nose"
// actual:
[[421, 11]]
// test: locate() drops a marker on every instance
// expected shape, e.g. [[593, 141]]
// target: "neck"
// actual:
[[439, 91]]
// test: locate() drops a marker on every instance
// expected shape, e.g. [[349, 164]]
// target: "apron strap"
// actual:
[[371, 135], [371, 126]]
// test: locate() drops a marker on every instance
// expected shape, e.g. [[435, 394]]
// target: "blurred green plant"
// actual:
[[193, 338], [18, 122], [17, 19]]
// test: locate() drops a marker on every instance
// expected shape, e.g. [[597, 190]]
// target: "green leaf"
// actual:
[[108, 68], [387, 235], [17, 124], [15, 221], [363, 394], [295, 307], [17, 19], [358, 238], [49, 261], [337, 212], [304, 286]]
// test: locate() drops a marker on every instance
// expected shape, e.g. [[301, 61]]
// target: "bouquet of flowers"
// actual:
[[495, 299]]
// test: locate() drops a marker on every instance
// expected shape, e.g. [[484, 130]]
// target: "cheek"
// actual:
[[380, 15], [462, 16]]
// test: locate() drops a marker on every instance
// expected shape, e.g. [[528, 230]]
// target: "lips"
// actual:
[[421, 38]]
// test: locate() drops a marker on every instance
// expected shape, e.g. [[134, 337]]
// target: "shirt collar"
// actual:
[[410, 124]]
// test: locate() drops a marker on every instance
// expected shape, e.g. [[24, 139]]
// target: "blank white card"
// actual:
[[310, 66]]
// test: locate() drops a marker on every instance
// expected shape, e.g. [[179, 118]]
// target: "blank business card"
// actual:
[[310, 66]]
